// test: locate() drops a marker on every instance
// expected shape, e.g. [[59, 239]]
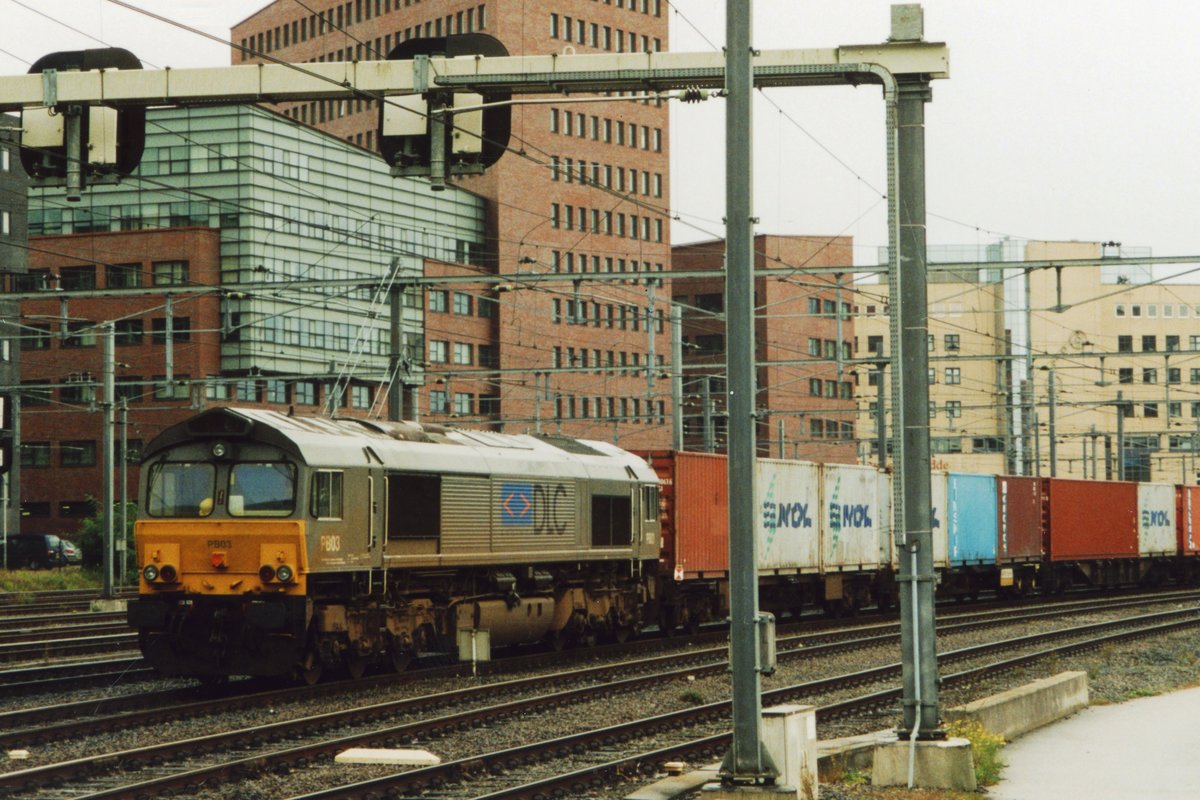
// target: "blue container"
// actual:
[[971, 518]]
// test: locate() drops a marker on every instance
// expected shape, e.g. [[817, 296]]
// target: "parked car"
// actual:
[[35, 551], [71, 552]]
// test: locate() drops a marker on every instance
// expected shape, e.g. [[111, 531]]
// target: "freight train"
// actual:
[[272, 544]]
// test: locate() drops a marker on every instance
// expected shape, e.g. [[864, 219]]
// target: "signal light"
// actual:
[[150, 573], [285, 573], [266, 573], [167, 573]]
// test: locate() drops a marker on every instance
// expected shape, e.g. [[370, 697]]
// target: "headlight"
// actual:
[[167, 573], [150, 573], [285, 573], [266, 573], [219, 450]]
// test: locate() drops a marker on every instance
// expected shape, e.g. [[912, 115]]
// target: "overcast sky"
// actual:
[[1070, 119]]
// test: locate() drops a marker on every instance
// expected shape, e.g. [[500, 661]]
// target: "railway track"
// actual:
[[505, 774], [53, 602], [310, 739]]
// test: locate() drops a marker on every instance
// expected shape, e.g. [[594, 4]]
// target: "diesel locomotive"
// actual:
[[272, 543]]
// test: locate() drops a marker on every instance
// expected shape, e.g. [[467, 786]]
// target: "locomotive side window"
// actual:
[[181, 490], [650, 503], [414, 505], [326, 499], [611, 521], [262, 490]]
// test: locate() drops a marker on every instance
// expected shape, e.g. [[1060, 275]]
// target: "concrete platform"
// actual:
[[1023, 709], [1142, 748], [944, 764]]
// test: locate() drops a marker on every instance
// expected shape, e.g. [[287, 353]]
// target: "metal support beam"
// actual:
[[747, 762], [106, 470], [676, 378], [910, 388], [527, 74]]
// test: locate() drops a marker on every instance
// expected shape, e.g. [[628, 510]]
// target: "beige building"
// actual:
[[1111, 342]]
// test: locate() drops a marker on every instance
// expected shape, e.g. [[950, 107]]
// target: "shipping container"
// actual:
[[850, 513], [787, 514], [1091, 519], [887, 544], [695, 492], [971, 518], [937, 519], [1019, 502], [1156, 520], [1187, 519]]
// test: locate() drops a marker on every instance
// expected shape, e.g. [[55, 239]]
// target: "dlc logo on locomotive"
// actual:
[[516, 504]]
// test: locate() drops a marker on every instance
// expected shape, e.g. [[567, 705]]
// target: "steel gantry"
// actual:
[[904, 66]]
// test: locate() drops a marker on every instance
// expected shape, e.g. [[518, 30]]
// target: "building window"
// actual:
[[953, 375], [1149, 344], [77, 278], [248, 391], [77, 453], [945, 444], [128, 332], [953, 409], [1174, 375], [464, 403], [1150, 410], [1124, 344], [277, 391], [181, 330], [35, 337], [438, 351], [80, 334], [35, 454], [1125, 375], [123, 276], [462, 353], [305, 393], [952, 341], [169, 273], [437, 300], [360, 396], [1172, 343], [1149, 375], [438, 403], [462, 303]]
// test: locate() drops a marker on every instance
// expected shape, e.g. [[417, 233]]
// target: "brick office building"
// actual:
[[14, 247], [805, 392], [589, 194], [61, 435]]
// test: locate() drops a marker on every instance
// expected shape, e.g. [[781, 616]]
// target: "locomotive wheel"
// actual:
[[309, 670], [356, 666]]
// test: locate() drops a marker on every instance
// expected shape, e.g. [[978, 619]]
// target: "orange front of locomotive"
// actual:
[[221, 597]]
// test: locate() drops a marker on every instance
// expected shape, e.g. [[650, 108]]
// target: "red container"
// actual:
[[1019, 527], [1091, 519], [1187, 519], [695, 527]]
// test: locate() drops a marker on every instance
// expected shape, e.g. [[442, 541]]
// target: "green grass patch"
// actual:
[[26, 580], [1136, 693], [985, 749], [693, 697]]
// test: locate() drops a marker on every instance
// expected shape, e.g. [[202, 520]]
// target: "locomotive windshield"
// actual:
[[181, 490], [262, 490]]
